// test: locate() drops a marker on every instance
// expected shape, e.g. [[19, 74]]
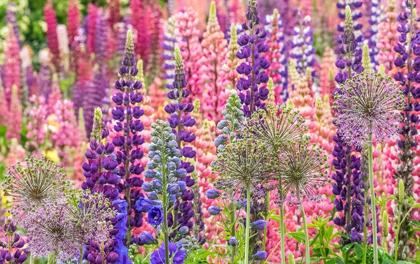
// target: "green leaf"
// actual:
[[339, 261], [347, 247], [299, 236], [358, 250]]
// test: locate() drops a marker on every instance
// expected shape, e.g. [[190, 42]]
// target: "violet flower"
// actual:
[[254, 65]]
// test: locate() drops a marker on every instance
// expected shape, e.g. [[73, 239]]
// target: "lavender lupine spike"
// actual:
[[179, 119], [127, 114], [252, 46], [302, 50], [168, 47], [409, 50], [355, 13], [374, 20]]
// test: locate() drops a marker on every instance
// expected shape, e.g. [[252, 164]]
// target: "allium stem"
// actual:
[[282, 235], [366, 218], [81, 255], [248, 217], [305, 228], [372, 203]]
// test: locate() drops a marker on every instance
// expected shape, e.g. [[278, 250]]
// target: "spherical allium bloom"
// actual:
[[303, 168], [51, 230], [39, 182], [367, 108], [277, 125], [175, 254], [242, 163], [91, 216]]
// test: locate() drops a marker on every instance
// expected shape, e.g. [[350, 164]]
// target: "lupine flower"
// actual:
[[375, 19], [141, 21], [179, 120], [52, 38], [186, 28], [92, 21], [12, 65], [214, 210], [276, 54], [302, 51], [168, 46], [229, 69], [14, 126], [259, 225], [260, 255], [16, 253], [127, 116], [177, 255], [214, 51], [350, 49], [255, 65], [11, 19], [407, 76], [73, 20], [154, 66], [367, 106], [388, 37], [114, 13]]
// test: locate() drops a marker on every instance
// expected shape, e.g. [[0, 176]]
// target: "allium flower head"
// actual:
[[52, 230], [367, 106], [242, 162], [38, 183], [277, 125], [303, 168]]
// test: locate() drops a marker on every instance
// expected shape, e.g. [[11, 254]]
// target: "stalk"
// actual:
[[305, 229], [165, 207], [233, 231], [373, 203], [365, 232], [283, 249], [81, 255], [248, 213]]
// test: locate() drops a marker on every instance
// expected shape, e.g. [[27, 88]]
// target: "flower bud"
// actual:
[[401, 190], [233, 241], [260, 255]]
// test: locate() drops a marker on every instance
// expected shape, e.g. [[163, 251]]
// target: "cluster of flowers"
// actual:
[[215, 144]]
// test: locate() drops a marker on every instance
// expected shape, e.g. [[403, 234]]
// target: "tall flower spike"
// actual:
[[229, 69], [52, 38], [12, 65], [127, 114], [214, 57], [168, 46], [367, 106], [251, 93], [14, 126], [366, 61], [180, 119]]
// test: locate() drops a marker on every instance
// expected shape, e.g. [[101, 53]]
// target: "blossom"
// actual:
[[367, 108], [37, 184], [177, 255], [303, 169], [52, 38], [155, 216], [259, 225], [260, 255], [255, 65]]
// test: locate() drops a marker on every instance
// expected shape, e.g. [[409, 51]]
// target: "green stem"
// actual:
[[81, 255], [397, 233], [373, 203], [282, 235], [165, 206], [233, 231], [248, 213], [365, 233], [52, 258], [305, 228]]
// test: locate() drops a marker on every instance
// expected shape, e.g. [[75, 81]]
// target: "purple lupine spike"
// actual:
[[408, 65], [252, 46], [179, 119], [168, 46], [127, 114], [374, 20]]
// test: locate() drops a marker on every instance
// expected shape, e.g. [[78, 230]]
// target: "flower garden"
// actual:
[[225, 131]]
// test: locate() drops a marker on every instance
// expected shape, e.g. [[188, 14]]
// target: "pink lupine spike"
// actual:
[[14, 126], [52, 38], [73, 19], [3, 107], [187, 30], [140, 20], [12, 65], [327, 65], [214, 57], [92, 16], [114, 14]]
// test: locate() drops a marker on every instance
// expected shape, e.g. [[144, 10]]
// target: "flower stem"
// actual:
[[248, 213], [366, 218], [52, 258], [81, 255], [305, 229], [233, 231], [165, 206], [282, 235], [372, 203]]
